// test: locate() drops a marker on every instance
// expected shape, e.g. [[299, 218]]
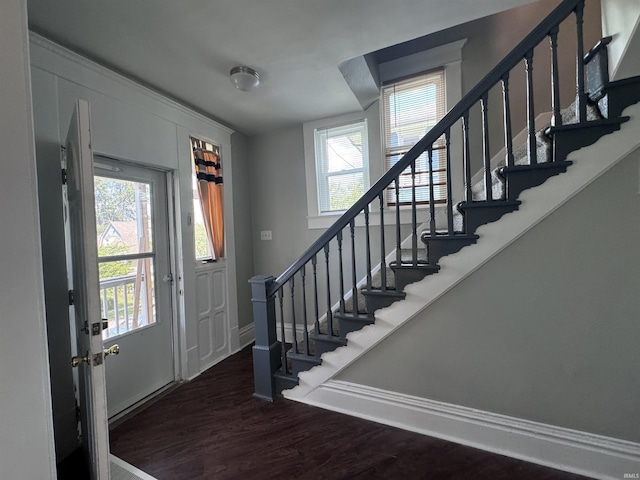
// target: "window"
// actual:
[[342, 165], [208, 221], [410, 108]]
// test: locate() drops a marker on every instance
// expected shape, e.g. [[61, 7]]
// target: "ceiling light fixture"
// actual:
[[244, 78]]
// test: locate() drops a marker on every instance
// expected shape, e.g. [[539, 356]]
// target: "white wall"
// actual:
[[621, 19], [545, 331], [26, 433], [133, 124]]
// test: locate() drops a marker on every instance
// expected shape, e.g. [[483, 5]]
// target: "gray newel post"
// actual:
[[267, 349]]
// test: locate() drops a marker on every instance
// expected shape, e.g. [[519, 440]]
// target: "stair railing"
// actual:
[[276, 300]]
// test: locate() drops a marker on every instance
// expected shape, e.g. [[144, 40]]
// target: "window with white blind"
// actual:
[[342, 165], [410, 109]]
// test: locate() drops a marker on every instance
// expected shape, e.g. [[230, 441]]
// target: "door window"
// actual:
[[126, 256]]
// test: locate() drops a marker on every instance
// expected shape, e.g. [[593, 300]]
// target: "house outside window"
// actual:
[[410, 108], [342, 165]]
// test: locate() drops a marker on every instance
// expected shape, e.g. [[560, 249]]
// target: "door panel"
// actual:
[[132, 237], [80, 227]]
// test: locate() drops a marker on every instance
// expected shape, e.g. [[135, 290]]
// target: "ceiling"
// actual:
[[186, 49]]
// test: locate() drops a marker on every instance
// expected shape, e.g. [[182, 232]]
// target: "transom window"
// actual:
[[342, 165], [411, 108]]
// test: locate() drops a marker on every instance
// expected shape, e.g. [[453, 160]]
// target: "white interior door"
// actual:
[[135, 280], [82, 255]]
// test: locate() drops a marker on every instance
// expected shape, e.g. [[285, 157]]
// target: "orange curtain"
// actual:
[[210, 189]]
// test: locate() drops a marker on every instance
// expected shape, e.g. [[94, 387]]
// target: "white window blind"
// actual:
[[342, 164], [411, 108]]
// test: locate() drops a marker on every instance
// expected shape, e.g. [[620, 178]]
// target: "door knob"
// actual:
[[113, 350], [77, 359]]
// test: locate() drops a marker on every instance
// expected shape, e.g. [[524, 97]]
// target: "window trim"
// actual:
[[322, 173], [449, 57]]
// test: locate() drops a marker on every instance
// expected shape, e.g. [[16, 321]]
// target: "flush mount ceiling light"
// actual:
[[244, 78]]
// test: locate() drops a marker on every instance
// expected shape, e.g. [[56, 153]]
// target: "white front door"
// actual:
[[135, 280], [82, 260]]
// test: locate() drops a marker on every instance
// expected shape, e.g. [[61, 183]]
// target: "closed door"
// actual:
[[135, 280]]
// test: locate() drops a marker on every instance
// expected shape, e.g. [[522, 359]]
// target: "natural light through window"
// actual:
[[411, 108], [342, 163], [126, 257], [203, 245]]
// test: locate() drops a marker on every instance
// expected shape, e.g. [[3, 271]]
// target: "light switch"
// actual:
[[265, 235]]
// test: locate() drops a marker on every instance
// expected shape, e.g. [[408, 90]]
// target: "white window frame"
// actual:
[[323, 175], [447, 56], [398, 87]]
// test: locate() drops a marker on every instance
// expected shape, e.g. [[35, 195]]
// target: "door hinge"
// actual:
[[63, 162], [70, 297]]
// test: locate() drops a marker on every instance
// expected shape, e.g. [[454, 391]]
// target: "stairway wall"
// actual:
[[546, 331]]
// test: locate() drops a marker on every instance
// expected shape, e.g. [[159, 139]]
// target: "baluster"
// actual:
[[486, 156], [294, 330], [432, 203], [329, 313], [447, 145], [581, 105], [506, 104], [117, 313], [414, 223], [285, 367], [531, 119], [367, 245], [467, 158], [339, 237], [354, 277], [383, 261], [556, 119], [316, 316], [126, 302], [398, 234], [303, 274]]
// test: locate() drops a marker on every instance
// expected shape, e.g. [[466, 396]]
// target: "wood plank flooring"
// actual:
[[212, 428]]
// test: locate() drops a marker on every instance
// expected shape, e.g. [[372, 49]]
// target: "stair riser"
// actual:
[[475, 217], [407, 275], [285, 383], [567, 141], [619, 96], [519, 181], [348, 326], [302, 365], [322, 346], [441, 247], [376, 302]]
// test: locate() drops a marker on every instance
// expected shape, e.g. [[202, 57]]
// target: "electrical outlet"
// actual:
[[265, 235]]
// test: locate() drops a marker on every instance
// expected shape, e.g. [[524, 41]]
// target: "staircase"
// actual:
[[296, 320]]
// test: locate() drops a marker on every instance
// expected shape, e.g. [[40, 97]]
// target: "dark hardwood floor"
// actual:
[[212, 428]]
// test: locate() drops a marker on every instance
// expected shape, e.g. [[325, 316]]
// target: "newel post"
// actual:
[[267, 349]]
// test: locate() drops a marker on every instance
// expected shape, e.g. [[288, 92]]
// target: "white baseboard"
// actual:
[[247, 335], [557, 447], [121, 470]]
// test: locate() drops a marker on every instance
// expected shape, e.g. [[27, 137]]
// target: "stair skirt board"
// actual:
[[588, 164], [557, 447], [121, 470]]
